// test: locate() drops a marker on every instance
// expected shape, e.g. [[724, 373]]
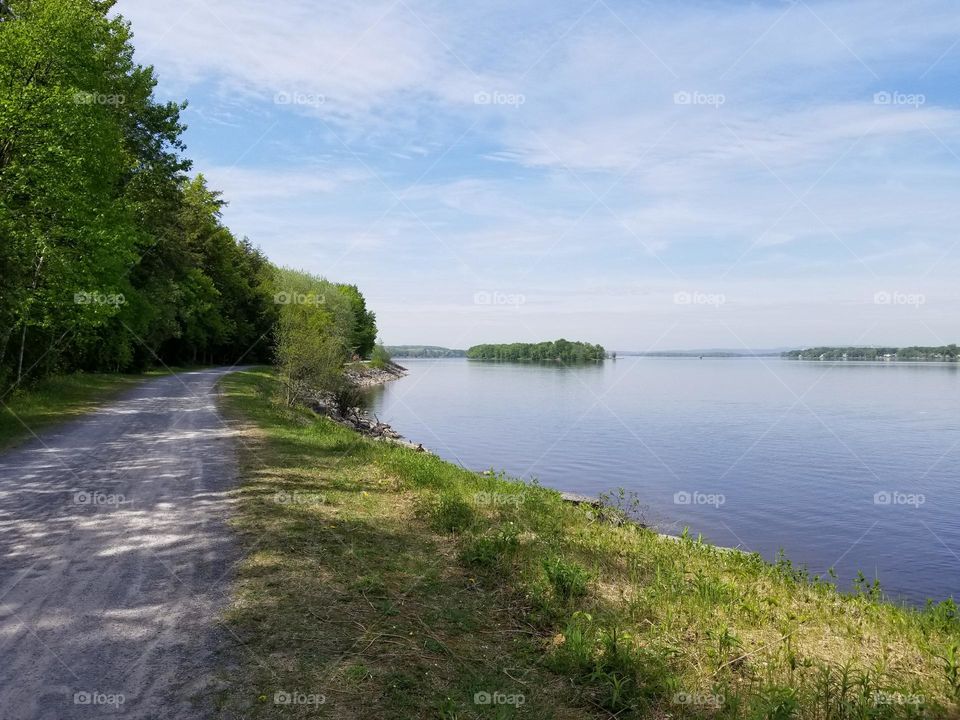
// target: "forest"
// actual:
[[114, 257], [565, 351], [941, 353]]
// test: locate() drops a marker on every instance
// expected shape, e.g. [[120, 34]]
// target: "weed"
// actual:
[[451, 513], [488, 551], [567, 579]]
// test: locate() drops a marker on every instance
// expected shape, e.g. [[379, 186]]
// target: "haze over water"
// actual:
[[845, 465]]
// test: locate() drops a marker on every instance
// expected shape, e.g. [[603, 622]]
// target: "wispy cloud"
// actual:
[[414, 144]]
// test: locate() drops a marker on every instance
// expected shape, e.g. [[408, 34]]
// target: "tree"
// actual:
[[557, 351], [79, 133], [112, 258], [313, 334], [363, 334]]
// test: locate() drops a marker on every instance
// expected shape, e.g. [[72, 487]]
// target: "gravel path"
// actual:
[[115, 558]]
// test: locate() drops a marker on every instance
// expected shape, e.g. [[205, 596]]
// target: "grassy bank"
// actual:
[[382, 582], [60, 398]]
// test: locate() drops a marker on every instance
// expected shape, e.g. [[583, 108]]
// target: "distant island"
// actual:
[[941, 353], [423, 351], [566, 351]]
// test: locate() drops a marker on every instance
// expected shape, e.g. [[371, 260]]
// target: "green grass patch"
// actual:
[[417, 589]]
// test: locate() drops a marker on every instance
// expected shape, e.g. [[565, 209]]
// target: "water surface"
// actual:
[[845, 465]]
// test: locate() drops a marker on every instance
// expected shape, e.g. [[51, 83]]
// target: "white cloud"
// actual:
[[796, 175]]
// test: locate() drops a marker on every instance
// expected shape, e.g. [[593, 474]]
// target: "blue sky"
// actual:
[[647, 175]]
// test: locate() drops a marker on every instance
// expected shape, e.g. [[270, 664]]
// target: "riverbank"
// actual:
[[364, 375], [389, 583], [361, 376]]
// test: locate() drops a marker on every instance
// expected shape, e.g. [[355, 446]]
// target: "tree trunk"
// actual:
[[3, 347], [23, 342]]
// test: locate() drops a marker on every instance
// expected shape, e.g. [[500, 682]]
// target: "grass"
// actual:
[[56, 399], [391, 584]]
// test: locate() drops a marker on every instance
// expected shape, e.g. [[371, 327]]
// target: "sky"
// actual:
[[644, 175]]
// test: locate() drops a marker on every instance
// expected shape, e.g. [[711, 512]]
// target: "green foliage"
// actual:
[[111, 257], [363, 328], [379, 358], [557, 351], [315, 322], [951, 668], [944, 353], [568, 580], [488, 551], [607, 657], [451, 513]]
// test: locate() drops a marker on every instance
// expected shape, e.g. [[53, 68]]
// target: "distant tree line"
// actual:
[[423, 351], [111, 256], [946, 353], [556, 351]]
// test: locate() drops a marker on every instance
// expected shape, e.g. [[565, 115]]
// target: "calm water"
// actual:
[[765, 453]]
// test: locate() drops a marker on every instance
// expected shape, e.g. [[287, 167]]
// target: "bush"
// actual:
[[345, 396], [311, 344], [489, 550], [568, 579], [379, 358], [451, 513]]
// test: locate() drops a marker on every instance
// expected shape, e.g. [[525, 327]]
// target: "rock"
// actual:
[[362, 375]]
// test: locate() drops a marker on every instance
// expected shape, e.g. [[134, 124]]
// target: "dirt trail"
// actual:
[[115, 558]]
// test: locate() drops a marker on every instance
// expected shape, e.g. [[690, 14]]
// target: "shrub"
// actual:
[[451, 513], [489, 550], [379, 358], [567, 579]]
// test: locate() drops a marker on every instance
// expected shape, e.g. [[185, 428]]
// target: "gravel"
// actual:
[[115, 558]]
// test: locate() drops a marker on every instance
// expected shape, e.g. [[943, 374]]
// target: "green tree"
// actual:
[[363, 334], [79, 134]]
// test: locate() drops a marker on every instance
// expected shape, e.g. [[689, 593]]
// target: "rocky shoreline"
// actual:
[[362, 376]]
